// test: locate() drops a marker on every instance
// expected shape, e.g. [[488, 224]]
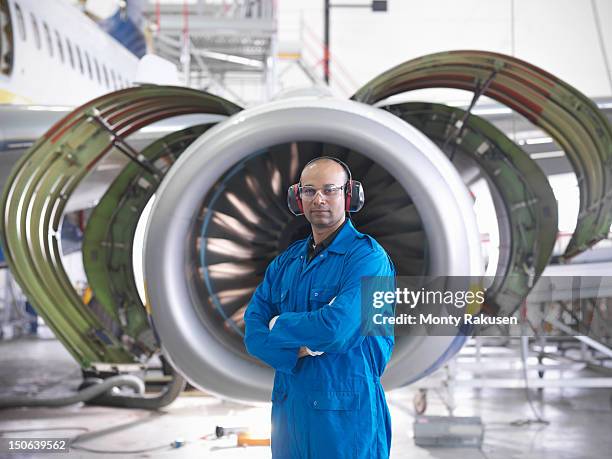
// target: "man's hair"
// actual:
[[330, 159]]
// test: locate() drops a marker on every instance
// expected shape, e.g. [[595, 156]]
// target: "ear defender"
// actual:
[[354, 196], [294, 201]]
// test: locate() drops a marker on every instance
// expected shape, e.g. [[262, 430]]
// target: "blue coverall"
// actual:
[[331, 405]]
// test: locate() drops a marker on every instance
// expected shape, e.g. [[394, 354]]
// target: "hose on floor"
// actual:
[[84, 395]]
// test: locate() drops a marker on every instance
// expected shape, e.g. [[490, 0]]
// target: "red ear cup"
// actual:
[[348, 195], [294, 201], [298, 198], [355, 196]]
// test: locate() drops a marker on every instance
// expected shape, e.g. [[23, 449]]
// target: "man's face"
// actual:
[[324, 211]]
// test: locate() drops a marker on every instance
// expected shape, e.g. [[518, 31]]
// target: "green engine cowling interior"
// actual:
[[526, 206], [36, 193], [562, 111], [109, 237]]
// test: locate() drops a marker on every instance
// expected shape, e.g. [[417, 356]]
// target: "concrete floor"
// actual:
[[580, 419]]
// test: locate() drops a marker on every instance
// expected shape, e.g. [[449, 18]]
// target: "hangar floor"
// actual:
[[580, 419]]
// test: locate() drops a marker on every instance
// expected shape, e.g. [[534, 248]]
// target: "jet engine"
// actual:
[[213, 195]]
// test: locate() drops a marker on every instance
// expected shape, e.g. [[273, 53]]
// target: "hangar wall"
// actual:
[[558, 35]]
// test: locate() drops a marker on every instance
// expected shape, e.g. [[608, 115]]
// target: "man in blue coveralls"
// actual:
[[304, 321]]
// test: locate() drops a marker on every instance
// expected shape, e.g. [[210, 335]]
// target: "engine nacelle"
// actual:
[[191, 313]]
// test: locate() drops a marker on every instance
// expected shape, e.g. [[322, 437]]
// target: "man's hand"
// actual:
[[272, 322], [303, 352]]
